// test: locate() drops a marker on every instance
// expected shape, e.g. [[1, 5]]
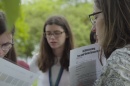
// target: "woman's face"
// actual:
[[99, 25], [56, 36], [5, 43]]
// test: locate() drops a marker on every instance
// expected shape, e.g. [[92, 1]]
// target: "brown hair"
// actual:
[[11, 55], [46, 55], [2, 22], [117, 24]]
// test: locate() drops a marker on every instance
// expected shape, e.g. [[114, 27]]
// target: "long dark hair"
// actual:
[[11, 55], [46, 55], [117, 24], [2, 22]]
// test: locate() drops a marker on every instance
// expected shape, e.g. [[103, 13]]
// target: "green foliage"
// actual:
[[22, 38], [12, 9], [30, 25], [78, 17]]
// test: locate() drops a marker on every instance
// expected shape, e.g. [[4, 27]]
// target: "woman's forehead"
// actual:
[[5, 37]]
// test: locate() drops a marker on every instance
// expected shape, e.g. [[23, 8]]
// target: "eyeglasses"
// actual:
[[56, 34], [92, 17], [6, 46]]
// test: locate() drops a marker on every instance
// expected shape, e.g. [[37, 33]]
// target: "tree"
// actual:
[[12, 9], [36, 13]]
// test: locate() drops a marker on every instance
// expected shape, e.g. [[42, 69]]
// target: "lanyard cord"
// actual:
[[58, 78]]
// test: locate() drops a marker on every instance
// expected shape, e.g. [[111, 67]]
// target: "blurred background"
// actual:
[[31, 15]]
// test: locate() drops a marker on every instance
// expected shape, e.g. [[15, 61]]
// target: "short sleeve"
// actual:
[[117, 70]]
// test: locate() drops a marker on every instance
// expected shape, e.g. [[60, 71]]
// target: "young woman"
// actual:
[[112, 22], [53, 59], [7, 50]]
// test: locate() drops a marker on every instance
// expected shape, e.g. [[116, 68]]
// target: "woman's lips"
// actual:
[[53, 43]]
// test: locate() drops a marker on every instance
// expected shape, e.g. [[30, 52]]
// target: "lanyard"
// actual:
[[58, 78]]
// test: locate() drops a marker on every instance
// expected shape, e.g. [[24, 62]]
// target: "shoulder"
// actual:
[[34, 58], [34, 63], [116, 71], [120, 58], [23, 64], [120, 55]]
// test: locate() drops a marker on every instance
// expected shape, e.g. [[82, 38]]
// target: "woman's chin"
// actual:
[[99, 42], [53, 47]]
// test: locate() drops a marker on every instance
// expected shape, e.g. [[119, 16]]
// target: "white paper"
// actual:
[[13, 75], [85, 66]]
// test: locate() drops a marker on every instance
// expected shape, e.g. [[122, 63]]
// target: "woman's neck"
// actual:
[[58, 52]]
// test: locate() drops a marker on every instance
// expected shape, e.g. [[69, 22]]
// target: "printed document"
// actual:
[[13, 75], [85, 66]]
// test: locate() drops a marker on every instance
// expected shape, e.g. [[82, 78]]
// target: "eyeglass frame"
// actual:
[[1, 45], [92, 21], [53, 33]]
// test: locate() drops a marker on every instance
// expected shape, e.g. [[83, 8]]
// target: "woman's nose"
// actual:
[[52, 36]]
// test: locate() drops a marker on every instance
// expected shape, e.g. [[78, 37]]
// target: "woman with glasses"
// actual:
[[112, 22], [7, 50], [52, 61], [6, 47]]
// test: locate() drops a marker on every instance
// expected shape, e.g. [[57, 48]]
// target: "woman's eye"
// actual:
[[6, 44], [57, 33], [48, 33]]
